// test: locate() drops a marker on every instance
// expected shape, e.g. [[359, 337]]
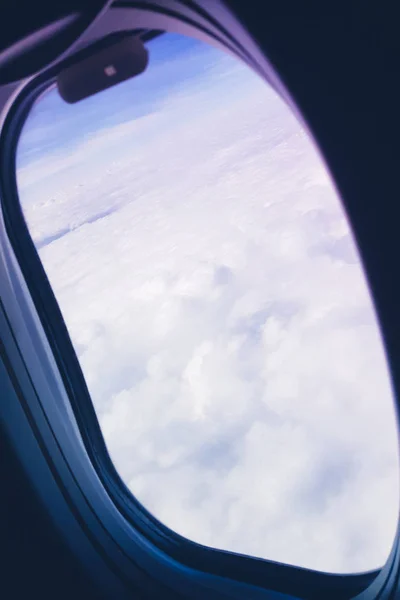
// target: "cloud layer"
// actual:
[[214, 295]]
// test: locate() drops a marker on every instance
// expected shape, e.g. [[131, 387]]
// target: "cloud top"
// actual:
[[215, 298]]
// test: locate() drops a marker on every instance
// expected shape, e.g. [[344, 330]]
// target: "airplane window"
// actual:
[[215, 298]]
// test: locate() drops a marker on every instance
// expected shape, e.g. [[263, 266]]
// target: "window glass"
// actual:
[[208, 277]]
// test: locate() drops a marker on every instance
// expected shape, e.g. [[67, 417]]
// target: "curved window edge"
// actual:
[[266, 575]]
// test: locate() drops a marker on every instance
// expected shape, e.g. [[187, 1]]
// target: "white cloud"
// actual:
[[216, 302]]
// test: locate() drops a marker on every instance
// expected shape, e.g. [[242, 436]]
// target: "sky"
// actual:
[[214, 295]]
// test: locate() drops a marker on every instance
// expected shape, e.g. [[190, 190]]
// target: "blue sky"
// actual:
[[214, 296]]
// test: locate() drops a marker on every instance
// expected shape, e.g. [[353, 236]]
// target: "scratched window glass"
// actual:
[[214, 295]]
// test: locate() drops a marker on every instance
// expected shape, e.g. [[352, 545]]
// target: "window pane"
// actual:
[[215, 298]]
